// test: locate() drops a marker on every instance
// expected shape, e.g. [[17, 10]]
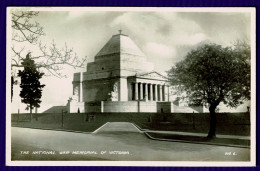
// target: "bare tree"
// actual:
[[26, 32]]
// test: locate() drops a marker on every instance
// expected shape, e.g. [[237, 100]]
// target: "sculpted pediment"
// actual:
[[152, 75]]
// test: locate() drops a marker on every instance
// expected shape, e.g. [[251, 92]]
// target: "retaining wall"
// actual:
[[227, 123]]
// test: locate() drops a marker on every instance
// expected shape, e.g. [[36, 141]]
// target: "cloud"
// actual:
[[159, 50], [222, 28], [162, 27], [72, 15], [75, 14], [131, 22], [190, 39]]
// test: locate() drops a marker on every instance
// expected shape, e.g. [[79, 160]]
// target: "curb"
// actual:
[[195, 142], [138, 128], [183, 141], [96, 131], [142, 130]]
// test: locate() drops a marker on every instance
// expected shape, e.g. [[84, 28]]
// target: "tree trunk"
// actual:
[[31, 113], [213, 121], [36, 114]]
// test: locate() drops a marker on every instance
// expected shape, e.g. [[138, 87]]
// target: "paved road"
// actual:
[[128, 144]]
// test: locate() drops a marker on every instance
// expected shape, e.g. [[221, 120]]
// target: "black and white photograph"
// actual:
[[135, 86]]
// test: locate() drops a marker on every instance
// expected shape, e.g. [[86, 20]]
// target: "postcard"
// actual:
[[135, 86]]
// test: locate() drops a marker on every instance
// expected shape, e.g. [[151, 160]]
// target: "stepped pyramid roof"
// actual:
[[120, 43], [120, 56]]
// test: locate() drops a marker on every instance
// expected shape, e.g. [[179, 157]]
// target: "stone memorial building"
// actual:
[[121, 80]]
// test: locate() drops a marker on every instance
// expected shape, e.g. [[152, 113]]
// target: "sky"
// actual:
[[165, 36]]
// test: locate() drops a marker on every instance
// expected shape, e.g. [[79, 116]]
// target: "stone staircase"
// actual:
[[118, 127]]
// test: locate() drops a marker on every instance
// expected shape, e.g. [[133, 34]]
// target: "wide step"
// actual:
[[118, 127]]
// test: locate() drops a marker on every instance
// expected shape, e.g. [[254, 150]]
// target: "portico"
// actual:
[[149, 92], [150, 86]]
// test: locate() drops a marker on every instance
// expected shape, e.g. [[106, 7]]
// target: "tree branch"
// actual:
[[52, 59]]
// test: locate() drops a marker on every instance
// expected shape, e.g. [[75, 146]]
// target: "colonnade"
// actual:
[[150, 92]]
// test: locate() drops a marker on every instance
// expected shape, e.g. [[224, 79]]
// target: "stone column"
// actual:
[[136, 91], [160, 92], [166, 93], [146, 92], [102, 106], [141, 91], [163, 92], [155, 92], [151, 92]]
